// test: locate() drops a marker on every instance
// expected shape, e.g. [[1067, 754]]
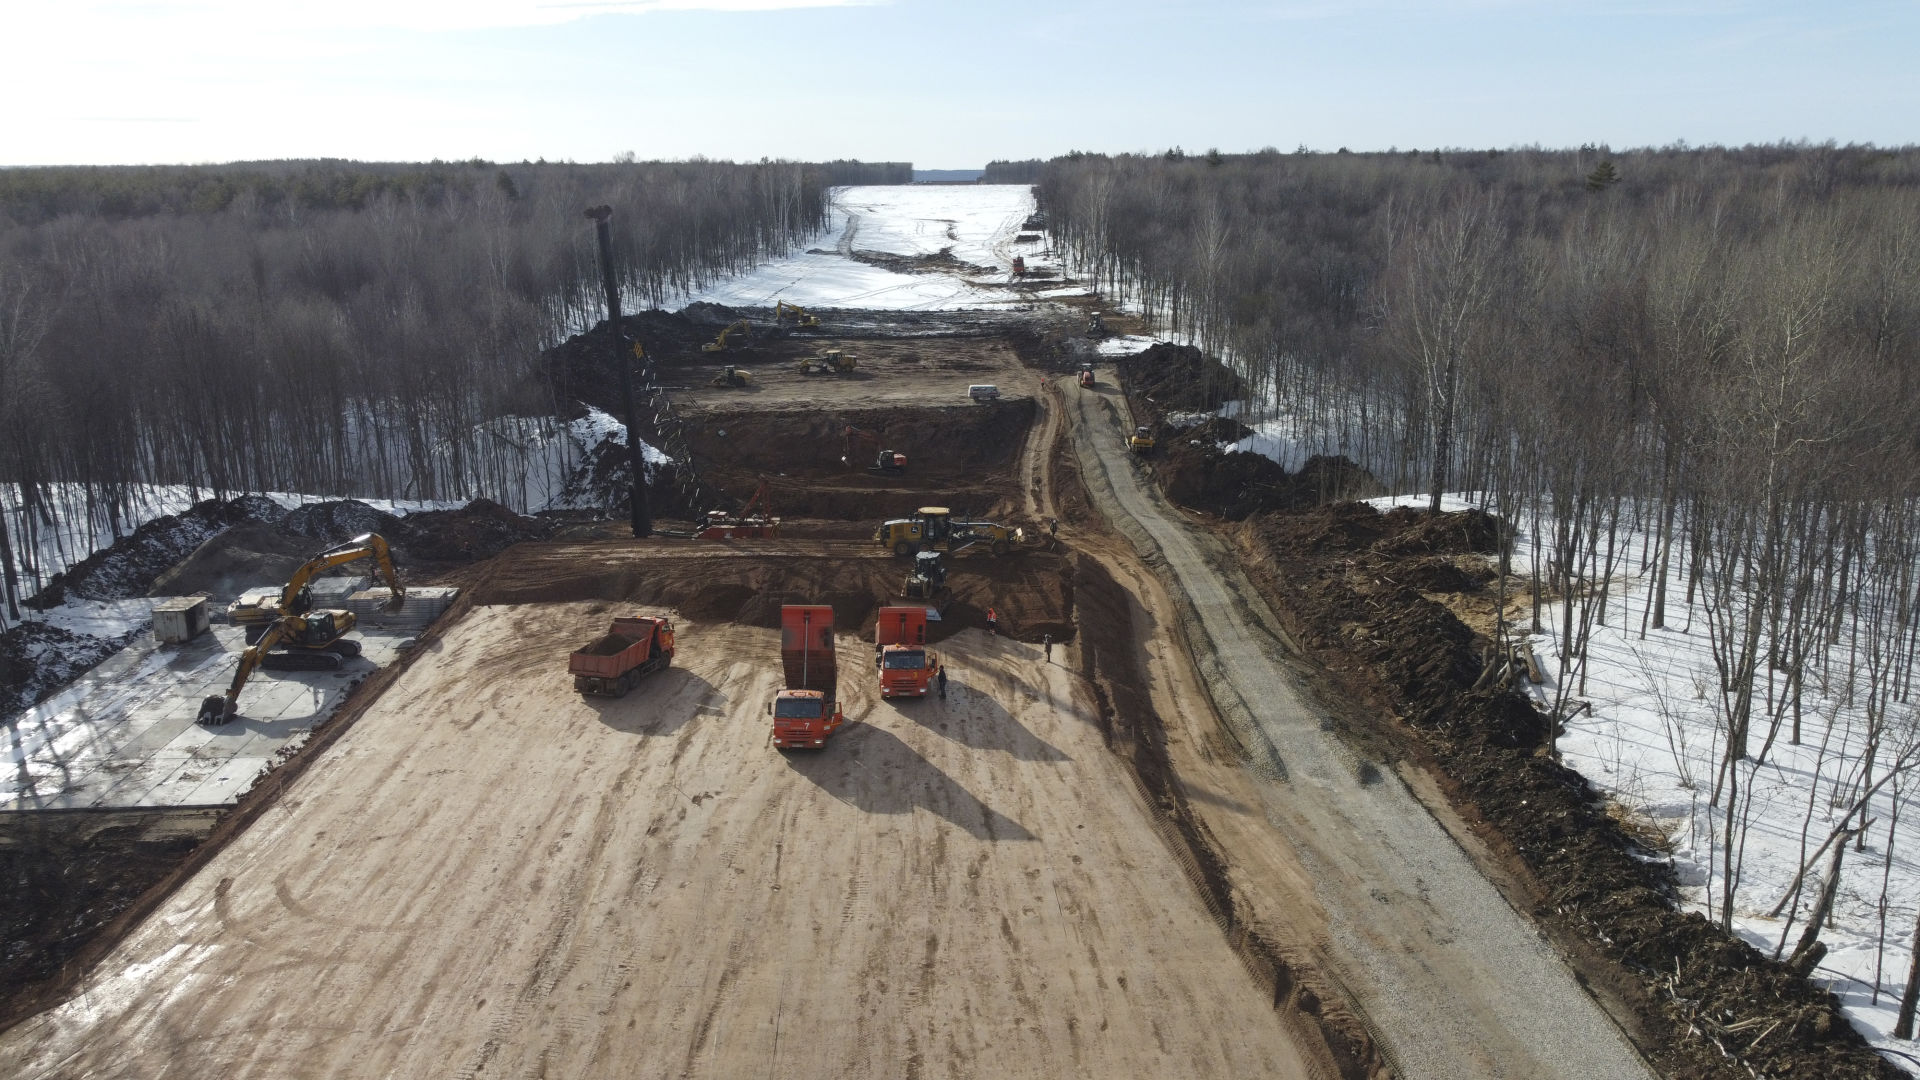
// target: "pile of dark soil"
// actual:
[[36, 660], [127, 569], [224, 546], [479, 530], [1197, 473], [940, 262], [337, 521], [1178, 378], [1349, 580], [586, 367]]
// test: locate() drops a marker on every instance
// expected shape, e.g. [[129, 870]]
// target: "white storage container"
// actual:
[[179, 619]]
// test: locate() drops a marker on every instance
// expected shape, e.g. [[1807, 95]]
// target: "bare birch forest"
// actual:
[[330, 328], [1715, 350]]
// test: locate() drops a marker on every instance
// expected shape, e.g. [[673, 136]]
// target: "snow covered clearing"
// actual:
[[972, 225], [1648, 728]]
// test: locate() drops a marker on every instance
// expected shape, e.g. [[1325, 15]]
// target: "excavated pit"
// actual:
[[959, 456]]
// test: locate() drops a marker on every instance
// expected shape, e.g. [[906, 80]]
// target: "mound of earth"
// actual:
[[1179, 378], [939, 262], [1348, 580], [479, 530], [1415, 532], [336, 521], [1197, 472], [128, 568], [243, 557], [37, 659]]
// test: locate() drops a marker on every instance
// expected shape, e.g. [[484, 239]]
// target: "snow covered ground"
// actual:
[[975, 224], [1652, 740]]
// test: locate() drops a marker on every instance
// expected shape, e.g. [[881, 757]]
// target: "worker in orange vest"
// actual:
[[993, 622]]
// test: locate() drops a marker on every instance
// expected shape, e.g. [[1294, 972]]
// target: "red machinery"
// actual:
[[747, 524], [633, 648], [806, 712], [907, 666], [860, 443]]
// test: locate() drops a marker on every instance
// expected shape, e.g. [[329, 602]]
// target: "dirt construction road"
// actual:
[[1454, 981], [488, 876]]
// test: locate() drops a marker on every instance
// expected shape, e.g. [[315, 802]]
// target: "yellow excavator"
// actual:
[[285, 633], [801, 319], [719, 344]]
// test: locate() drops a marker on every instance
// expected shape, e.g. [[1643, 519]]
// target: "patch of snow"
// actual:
[[1653, 739], [975, 224], [1126, 345]]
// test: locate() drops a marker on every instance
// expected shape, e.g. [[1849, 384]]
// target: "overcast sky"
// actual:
[[941, 83]]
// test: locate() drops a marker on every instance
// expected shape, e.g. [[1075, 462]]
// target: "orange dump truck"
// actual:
[[806, 712], [907, 666], [633, 648]]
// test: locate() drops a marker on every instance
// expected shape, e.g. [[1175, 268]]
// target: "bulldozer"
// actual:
[[830, 362], [861, 442], [285, 633], [732, 376], [801, 319], [933, 528], [720, 343], [1141, 442]]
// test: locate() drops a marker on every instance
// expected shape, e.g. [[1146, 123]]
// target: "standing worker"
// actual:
[[993, 623], [1046, 642], [941, 678]]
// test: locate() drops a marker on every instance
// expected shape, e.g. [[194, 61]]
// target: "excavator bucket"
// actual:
[[216, 710]]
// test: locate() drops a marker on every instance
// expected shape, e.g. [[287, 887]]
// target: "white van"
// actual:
[[983, 392]]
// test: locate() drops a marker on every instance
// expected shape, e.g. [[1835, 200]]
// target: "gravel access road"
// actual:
[[1452, 980]]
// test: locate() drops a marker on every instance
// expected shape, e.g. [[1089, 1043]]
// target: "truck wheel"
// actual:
[[999, 547], [902, 548]]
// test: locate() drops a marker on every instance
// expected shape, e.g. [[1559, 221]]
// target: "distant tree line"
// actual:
[[848, 173], [1718, 349], [1013, 172], [323, 327]]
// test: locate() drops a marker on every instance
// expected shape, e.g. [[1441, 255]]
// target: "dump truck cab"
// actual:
[[907, 666], [805, 713]]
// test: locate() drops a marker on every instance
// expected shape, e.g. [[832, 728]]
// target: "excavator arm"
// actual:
[[220, 708], [292, 622], [719, 344], [294, 599], [800, 317]]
